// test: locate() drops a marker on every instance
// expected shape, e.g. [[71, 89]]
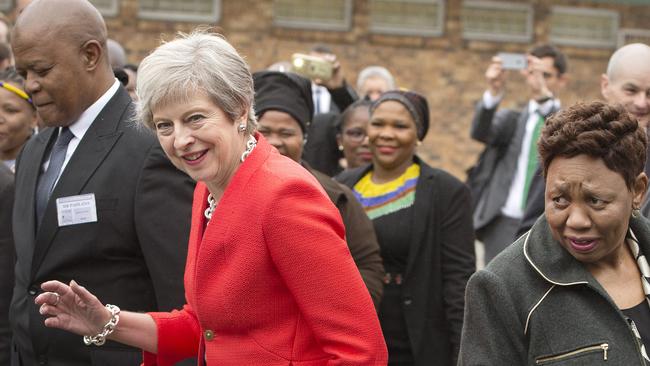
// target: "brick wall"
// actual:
[[448, 70]]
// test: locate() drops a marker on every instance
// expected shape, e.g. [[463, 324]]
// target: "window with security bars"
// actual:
[[313, 14], [186, 10], [6, 5], [583, 27], [497, 21], [409, 17], [631, 35], [108, 8]]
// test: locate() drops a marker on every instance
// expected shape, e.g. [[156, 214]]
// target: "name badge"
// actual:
[[75, 210]]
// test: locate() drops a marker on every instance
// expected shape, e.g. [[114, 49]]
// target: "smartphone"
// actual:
[[312, 67], [513, 61]]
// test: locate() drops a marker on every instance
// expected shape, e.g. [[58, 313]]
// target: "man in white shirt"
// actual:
[[96, 199], [511, 139]]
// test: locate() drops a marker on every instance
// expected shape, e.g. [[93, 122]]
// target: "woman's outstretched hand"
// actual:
[[72, 308]]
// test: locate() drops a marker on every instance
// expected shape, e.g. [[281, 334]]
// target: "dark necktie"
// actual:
[[47, 179]]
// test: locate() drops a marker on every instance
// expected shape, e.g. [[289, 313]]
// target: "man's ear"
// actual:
[[92, 53], [563, 80], [604, 84]]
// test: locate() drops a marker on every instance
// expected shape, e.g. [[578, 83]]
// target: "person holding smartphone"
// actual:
[[510, 160]]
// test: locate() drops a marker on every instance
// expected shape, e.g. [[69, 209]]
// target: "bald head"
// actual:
[[60, 48], [627, 56], [627, 80], [67, 20]]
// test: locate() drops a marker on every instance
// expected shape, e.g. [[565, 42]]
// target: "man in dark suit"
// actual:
[[97, 201], [626, 82], [7, 259], [502, 201]]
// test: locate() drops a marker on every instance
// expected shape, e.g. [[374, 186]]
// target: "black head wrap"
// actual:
[[415, 103], [286, 92]]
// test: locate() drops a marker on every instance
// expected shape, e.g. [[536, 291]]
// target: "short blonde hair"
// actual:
[[200, 61]]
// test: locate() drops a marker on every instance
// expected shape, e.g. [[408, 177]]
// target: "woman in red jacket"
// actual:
[[269, 279]]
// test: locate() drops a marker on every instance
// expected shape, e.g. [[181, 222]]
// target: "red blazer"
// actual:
[[270, 281]]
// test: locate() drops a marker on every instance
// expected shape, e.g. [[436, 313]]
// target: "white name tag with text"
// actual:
[[75, 210]]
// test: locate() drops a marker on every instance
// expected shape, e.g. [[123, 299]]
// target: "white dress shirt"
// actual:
[[513, 206], [81, 126]]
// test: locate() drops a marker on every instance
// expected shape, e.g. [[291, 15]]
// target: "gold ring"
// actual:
[[58, 298]]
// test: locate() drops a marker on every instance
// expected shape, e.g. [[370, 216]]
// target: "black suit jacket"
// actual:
[[504, 128], [440, 261], [133, 256], [321, 150], [7, 259]]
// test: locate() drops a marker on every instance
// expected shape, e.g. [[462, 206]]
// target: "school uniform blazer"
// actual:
[[133, 256], [269, 279], [440, 261]]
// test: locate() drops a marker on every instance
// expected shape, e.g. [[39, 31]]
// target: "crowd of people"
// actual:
[[189, 211]]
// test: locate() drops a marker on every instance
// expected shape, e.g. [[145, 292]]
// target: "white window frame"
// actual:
[[498, 37], [398, 30], [582, 42], [634, 32], [213, 17], [345, 25], [112, 11]]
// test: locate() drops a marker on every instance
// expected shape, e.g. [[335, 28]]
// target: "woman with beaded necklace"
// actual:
[[422, 219], [269, 279]]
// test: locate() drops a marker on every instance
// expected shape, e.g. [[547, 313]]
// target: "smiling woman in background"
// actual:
[[352, 135], [422, 218], [17, 116], [574, 290]]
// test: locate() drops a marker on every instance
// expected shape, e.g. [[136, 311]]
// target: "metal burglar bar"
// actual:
[[497, 21], [186, 10], [313, 14], [584, 27], [107, 7], [409, 17]]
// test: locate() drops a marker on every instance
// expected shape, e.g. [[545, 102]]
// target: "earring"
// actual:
[[242, 127], [340, 147], [636, 213], [418, 143]]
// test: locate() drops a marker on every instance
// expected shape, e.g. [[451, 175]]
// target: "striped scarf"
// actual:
[[644, 268]]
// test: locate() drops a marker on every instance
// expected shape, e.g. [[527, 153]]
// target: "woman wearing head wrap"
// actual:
[[269, 279], [422, 218], [17, 116], [17, 124], [575, 289]]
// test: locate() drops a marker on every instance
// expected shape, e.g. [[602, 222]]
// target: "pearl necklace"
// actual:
[[212, 203]]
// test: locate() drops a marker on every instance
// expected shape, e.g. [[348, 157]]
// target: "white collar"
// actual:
[[81, 125], [544, 108]]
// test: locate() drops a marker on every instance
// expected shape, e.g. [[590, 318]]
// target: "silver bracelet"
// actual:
[[100, 338]]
